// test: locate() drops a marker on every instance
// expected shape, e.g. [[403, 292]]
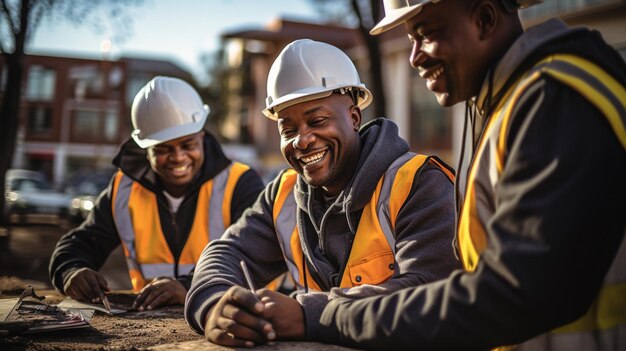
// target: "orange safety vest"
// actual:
[[607, 316], [372, 257], [136, 216]]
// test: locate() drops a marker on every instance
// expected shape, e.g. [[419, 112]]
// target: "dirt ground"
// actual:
[[128, 331], [24, 258]]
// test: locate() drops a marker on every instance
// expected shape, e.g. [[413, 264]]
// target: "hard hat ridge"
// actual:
[[307, 70], [400, 11], [164, 109]]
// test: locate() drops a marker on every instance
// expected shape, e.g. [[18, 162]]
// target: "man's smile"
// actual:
[[311, 159]]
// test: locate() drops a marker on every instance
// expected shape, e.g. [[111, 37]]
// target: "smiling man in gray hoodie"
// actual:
[[356, 215]]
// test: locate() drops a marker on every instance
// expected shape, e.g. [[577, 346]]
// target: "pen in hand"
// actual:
[[246, 273], [105, 302], [272, 334]]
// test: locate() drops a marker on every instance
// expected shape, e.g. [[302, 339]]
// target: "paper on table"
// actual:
[[71, 304], [29, 315], [6, 306]]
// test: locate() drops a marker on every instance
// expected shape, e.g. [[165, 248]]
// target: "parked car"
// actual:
[[29, 192], [84, 192]]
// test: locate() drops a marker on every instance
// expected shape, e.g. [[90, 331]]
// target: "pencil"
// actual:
[[246, 273], [105, 302], [272, 334]]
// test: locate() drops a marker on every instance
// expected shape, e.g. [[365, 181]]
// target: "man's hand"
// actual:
[[85, 284], [236, 321], [160, 291], [284, 313]]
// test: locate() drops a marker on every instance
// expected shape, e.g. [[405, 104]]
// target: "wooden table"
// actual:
[[161, 329], [203, 345]]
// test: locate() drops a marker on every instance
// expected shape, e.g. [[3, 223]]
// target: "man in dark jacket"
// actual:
[[175, 190], [541, 226], [357, 215]]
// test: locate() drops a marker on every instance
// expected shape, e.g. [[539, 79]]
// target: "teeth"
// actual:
[[180, 169], [313, 158], [436, 74]]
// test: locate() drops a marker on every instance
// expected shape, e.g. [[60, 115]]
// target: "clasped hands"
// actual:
[[242, 318], [85, 284]]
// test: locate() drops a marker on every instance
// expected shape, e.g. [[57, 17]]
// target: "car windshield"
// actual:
[[90, 184], [29, 185]]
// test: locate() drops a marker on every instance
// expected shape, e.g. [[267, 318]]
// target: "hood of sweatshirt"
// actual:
[[327, 225], [550, 37], [380, 146], [132, 160]]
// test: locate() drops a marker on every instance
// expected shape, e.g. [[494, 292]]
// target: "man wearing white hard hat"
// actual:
[[356, 215], [175, 191], [541, 221]]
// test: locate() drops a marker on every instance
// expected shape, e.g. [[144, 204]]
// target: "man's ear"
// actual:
[[486, 18], [355, 114]]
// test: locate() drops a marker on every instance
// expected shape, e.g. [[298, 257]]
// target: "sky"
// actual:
[[180, 30]]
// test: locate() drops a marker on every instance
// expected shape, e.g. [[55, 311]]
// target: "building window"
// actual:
[[561, 7], [95, 126], [39, 119], [110, 126], [40, 85], [135, 84]]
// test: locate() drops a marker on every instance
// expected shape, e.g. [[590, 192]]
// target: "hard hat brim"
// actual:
[[171, 133], [304, 96], [396, 17], [292, 99]]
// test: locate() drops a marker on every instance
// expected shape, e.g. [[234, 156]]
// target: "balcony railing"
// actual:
[[560, 8]]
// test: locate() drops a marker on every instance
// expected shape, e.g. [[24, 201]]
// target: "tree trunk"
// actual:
[[10, 121], [10, 111], [373, 48]]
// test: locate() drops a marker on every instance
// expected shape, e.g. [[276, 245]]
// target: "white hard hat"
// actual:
[[399, 11], [307, 70], [164, 109]]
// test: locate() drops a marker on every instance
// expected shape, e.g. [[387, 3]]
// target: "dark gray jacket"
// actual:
[[557, 225], [90, 244], [424, 232]]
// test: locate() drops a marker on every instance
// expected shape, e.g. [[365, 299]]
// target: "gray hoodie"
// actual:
[[424, 233]]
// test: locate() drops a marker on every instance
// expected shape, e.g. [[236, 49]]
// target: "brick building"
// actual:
[[75, 112]]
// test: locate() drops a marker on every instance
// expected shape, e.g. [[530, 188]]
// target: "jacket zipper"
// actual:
[[176, 249]]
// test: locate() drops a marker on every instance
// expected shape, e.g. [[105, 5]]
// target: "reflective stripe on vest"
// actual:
[[372, 256], [609, 97], [136, 216]]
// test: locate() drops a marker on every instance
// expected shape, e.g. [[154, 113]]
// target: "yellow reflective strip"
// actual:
[[599, 100], [444, 169], [369, 237], [199, 234], [136, 280], [504, 126], [116, 185], [150, 243], [401, 186], [608, 311], [236, 170], [287, 182], [593, 69], [471, 237], [505, 348]]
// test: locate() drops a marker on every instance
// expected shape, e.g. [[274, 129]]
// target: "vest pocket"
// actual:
[[373, 269]]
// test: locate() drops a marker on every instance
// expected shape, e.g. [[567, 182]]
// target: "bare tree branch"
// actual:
[[357, 11], [7, 12], [375, 7], [23, 18], [37, 11]]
